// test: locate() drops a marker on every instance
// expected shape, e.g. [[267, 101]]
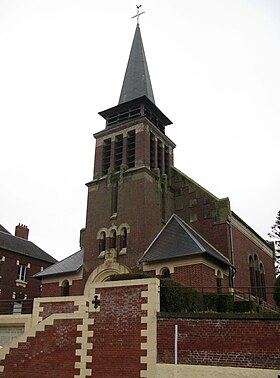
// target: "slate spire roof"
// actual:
[[176, 240], [137, 82]]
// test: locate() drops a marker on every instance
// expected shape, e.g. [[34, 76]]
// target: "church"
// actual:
[[144, 215]]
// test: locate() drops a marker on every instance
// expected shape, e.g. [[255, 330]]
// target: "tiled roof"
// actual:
[[177, 239], [70, 264], [24, 247]]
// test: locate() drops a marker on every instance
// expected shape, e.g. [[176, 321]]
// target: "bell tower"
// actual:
[[129, 198]]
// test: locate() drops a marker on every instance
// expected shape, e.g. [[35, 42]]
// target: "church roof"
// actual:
[[70, 264], [21, 246], [137, 82], [177, 239]]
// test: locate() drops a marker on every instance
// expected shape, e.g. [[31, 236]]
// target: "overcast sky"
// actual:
[[215, 71]]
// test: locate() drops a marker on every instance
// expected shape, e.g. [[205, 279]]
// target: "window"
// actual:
[[118, 152], [21, 276], [65, 288], [165, 273], [113, 239], [102, 242], [131, 149], [123, 238], [257, 277], [106, 156]]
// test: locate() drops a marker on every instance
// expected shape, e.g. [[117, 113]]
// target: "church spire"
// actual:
[[137, 82]]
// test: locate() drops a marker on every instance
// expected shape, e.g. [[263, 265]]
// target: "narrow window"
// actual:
[[102, 242], [131, 149], [106, 156], [257, 276], [123, 238], [262, 279], [65, 288], [252, 276], [118, 152], [152, 151], [113, 239], [160, 155], [21, 275], [114, 198]]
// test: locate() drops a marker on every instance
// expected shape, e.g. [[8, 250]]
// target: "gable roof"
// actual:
[[24, 247], [70, 264], [137, 82], [177, 239]]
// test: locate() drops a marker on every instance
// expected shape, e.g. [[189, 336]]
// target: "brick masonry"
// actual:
[[221, 342]]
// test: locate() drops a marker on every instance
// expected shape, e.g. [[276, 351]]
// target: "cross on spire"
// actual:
[[138, 14]]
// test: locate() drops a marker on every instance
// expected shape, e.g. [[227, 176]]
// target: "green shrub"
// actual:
[[174, 297], [276, 291], [225, 303], [128, 276], [210, 302], [244, 306]]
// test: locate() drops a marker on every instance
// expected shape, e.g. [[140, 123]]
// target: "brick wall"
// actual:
[[221, 342], [50, 354], [117, 333], [9, 271], [73, 338]]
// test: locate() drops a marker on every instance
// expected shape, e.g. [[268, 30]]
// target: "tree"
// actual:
[[275, 235]]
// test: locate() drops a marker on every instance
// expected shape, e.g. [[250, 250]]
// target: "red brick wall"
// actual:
[[8, 274], [50, 354], [117, 333], [52, 289], [116, 339], [221, 342], [243, 247]]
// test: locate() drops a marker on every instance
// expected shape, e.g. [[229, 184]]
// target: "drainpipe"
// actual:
[[176, 345], [232, 253]]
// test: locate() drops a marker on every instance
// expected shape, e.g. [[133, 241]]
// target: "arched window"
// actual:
[[65, 288], [102, 242], [165, 273], [262, 279], [113, 239], [219, 282], [252, 276], [257, 276], [123, 238]]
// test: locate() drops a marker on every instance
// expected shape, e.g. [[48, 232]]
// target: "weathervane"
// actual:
[[138, 13]]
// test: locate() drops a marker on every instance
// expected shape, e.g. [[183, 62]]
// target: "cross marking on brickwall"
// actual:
[[96, 301]]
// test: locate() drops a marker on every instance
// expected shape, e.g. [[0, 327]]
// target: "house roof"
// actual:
[[24, 247], [177, 239], [3, 229], [137, 82], [70, 264]]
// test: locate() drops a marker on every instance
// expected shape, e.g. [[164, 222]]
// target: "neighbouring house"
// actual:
[[20, 259]]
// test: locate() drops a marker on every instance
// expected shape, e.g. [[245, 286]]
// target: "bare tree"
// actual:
[[275, 235]]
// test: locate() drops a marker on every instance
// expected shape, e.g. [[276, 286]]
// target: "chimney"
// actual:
[[22, 231]]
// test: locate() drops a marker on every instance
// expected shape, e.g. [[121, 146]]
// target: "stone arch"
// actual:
[[103, 272]]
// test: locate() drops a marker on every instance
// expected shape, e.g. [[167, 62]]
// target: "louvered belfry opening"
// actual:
[[118, 152], [131, 149], [106, 156]]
